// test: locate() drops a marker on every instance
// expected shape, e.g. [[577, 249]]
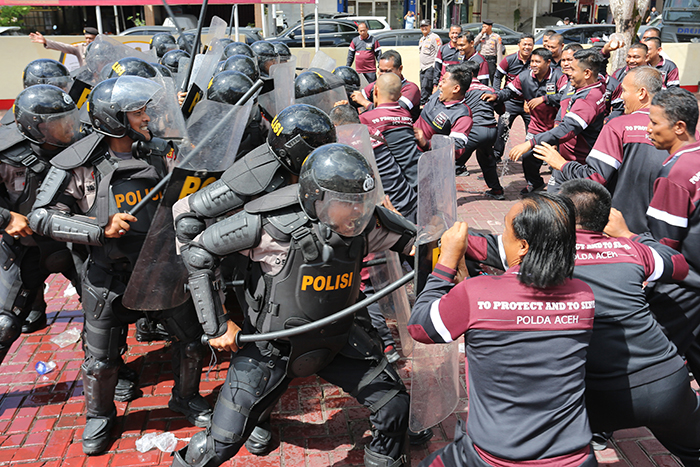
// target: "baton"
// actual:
[[214, 131], [269, 336], [172, 15], [195, 48]]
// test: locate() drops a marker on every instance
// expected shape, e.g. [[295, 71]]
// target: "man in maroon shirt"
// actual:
[[668, 69], [366, 50]]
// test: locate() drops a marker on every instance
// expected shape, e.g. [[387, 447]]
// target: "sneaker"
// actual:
[[495, 194], [461, 171], [391, 354], [530, 188]]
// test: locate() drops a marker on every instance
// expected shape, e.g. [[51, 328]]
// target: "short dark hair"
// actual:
[[526, 36], [344, 115], [640, 45], [558, 37], [590, 59], [647, 77], [467, 35], [549, 33], [656, 31], [548, 224], [456, 26], [472, 67], [592, 202], [655, 40], [575, 47], [392, 55], [679, 106], [461, 75], [542, 52]]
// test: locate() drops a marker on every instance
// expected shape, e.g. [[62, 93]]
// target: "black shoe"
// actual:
[[96, 434], [146, 331], [495, 194], [127, 385], [416, 438], [260, 439], [461, 171], [35, 321], [197, 410], [530, 188], [599, 442]]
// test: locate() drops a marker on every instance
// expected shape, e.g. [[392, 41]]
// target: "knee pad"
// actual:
[[10, 329], [198, 453], [194, 350], [197, 258]]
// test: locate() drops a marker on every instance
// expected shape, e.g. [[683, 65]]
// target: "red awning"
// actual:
[[135, 2]]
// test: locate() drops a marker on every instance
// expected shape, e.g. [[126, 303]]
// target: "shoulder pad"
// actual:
[[8, 118], [282, 198], [281, 224], [394, 222], [79, 153], [15, 154], [9, 136], [53, 185], [252, 174]]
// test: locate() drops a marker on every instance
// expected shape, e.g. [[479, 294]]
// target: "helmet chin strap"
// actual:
[[137, 136]]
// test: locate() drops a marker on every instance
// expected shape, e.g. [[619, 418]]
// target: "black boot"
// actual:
[[99, 381], [187, 372], [37, 317], [373, 459], [260, 439], [127, 388], [148, 331]]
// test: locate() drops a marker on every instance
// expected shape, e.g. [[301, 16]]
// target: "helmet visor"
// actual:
[[61, 130], [347, 214], [132, 93]]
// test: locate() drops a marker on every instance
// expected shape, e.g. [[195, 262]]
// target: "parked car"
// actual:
[[406, 37], [508, 36], [251, 34], [148, 31], [331, 33], [581, 34], [10, 31], [374, 23]]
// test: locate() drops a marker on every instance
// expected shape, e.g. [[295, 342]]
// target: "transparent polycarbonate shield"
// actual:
[[282, 96], [181, 73], [395, 305], [357, 137], [437, 190], [434, 384], [167, 121], [105, 51], [219, 150], [323, 61], [303, 60], [325, 100], [363, 81], [159, 276], [210, 60]]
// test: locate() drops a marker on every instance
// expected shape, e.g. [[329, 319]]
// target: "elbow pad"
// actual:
[[215, 200], [66, 228]]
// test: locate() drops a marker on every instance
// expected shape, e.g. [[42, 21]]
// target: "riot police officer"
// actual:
[[306, 243], [47, 119], [46, 71], [162, 42], [84, 200]]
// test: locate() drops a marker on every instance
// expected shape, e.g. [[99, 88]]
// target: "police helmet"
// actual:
[[46, 71], [296, 131], [266, 55], [310, 83], [132, 66], [337, 187], [238, 48], [186, 41], [243, 64], [163, 42], [47, 114], [350, 77], [228, 87], [111, 100], [162, 70], [282, 51], [171, 60]]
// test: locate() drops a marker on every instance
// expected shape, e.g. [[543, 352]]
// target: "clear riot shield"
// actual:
[[322, 61], [327, 99], [357, 136], [435, 378], [303, 59], [282, 96], [159, 277], [104, 51], [167, 121], [396, 305]]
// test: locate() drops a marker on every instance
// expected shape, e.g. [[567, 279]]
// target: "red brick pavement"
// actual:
[[315, 424]]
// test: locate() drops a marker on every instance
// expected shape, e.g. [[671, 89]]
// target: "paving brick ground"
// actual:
[[315, 424]]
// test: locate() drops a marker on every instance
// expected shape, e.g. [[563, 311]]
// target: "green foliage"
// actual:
[[13, 15], [137, 20], [516, 18]]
